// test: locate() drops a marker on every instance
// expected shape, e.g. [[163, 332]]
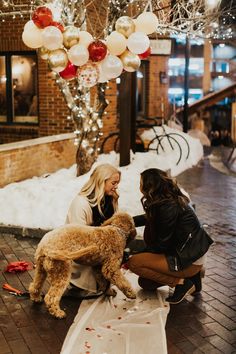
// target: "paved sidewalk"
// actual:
[[201, 324], [207, 323]]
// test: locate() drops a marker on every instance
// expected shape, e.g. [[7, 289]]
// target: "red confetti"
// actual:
[[87, 345], [90, 329], [125, 266], [20, 266]]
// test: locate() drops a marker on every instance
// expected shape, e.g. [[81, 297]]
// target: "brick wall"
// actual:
[[35, 157], [52, 109], [9, 134], [158, 92]]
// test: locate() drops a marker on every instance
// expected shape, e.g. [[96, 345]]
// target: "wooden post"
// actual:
[[206, 80], [134, 110], [233, 122], [126, 103]]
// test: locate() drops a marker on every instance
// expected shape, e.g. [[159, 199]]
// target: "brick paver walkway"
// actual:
[[204, 324], [207, 323]]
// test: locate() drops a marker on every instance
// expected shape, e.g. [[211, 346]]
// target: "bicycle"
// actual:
[[169, 136]]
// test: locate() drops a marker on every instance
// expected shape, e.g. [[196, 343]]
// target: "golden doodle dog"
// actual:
[[101, 247]]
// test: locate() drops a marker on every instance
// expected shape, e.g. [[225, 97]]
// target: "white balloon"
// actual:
[[112, 66], [146, 22], [33, 38], [138, 42], [29, 26], [78, 55], [116, 43], [52, 38], [102, 76], [85, 38]]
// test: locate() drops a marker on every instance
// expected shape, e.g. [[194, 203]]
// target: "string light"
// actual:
[[183, 18]]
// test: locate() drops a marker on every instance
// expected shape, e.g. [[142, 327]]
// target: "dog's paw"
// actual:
[[111, 292], [130, 293], [36, 298], [58, 314]]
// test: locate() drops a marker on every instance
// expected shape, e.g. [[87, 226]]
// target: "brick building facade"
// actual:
[[53, 111]]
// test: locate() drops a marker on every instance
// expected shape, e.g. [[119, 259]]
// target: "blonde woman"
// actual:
[[96, 202]]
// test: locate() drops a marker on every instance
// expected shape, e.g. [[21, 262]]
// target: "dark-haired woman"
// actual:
[[176, 243]]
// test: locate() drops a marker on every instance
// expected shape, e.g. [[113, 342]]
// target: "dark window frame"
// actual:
[[9, 89], [145, 88]]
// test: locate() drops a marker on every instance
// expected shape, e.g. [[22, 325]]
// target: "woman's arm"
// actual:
[[163, 225], [139, 220], [80, 212]]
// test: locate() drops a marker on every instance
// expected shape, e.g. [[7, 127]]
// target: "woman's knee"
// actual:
[[133, 263]]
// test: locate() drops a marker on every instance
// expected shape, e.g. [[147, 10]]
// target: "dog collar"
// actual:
[[122, 232]]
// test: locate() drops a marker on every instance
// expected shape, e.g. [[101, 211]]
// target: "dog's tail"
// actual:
[[66, 256]]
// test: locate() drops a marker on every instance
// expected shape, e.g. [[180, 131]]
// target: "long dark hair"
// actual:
[[157, 187]]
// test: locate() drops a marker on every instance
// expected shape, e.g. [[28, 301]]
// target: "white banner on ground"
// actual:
[[120, 325]]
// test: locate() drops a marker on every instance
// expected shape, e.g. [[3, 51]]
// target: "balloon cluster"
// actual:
[[74, 53]]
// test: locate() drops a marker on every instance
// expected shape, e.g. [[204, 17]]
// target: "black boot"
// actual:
[[181, 291], [197, 281]]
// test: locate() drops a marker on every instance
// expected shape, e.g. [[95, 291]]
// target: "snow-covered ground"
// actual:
[[42, 202]]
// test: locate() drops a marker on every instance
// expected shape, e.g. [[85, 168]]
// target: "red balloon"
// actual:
[[145, 54], [69, 72], [97, 50], [42, 17], [58, 25]]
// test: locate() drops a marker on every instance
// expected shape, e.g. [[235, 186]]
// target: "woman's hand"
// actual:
[[115, 195]]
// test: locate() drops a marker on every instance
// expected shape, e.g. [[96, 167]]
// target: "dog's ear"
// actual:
[[133, 233], [131, 236]]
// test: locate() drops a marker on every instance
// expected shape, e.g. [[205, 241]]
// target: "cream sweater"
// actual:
[[80, 211]]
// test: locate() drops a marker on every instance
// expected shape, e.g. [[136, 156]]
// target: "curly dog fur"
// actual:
[[100, 247]]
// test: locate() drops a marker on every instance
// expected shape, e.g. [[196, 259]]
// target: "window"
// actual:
[[176, 75], [140, 78], [18, 88]]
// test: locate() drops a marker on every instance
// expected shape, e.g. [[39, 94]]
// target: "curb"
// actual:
[[22, 231]]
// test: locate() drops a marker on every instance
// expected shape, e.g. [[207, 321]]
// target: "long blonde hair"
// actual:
[[93, 190]]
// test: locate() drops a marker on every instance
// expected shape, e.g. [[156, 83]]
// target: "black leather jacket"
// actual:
[[175, 232]]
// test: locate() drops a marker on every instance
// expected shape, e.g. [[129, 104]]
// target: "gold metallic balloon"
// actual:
[[57, 60], [70, 36], [125, 25], [131, 61], [44, 53]]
